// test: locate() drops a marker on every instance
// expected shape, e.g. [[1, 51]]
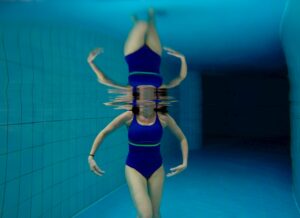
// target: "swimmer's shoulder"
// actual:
[[163, 118], [127, 116]]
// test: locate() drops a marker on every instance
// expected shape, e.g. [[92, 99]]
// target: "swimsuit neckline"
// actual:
[[146, 125]]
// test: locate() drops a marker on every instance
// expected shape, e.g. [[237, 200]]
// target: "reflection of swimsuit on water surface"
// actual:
[[144, 140], [143, 66]]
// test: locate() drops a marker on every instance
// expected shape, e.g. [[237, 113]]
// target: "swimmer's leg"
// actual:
[[155, 183], [152, 38], [136, 37], [139, 192]]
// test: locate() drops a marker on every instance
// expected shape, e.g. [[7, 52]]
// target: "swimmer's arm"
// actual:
[[114, 124], [183, 69], [99, 73], [171, 123], [103, 79]]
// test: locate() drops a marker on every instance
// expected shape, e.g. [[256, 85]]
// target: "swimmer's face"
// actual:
[[145, 104], [147, 95]]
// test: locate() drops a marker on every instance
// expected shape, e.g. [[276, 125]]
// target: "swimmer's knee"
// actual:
[[156, 214], [145, 214]]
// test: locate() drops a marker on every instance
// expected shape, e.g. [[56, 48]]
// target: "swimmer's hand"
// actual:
[[94, 167], [176, 170], [93, 54], [172, 52]]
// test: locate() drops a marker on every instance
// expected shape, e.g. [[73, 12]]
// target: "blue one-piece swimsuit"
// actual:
[[144, 147], [144, 140], [143, 66]]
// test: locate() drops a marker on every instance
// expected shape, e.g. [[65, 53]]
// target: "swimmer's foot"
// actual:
[[134, 18], [151, 14], [145, 15]]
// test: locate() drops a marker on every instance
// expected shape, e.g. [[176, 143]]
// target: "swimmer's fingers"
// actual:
[[93, 54], [171, 174], [97, 51], [172, 52], [176, 55], [97, 173], [169, 49], [176, 170], [97, 170]]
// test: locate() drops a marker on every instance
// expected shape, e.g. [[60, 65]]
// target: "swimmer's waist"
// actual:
[[144, 144], [144, 73]]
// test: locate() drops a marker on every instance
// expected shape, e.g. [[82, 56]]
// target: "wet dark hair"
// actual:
[[159, 92], [135, 110], [136, 94], [161, 109]]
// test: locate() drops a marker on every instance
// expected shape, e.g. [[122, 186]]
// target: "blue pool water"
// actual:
[[51, 110]]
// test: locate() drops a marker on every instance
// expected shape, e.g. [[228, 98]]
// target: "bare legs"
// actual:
[[136, 36], [152, 38], [139, 192], [141, 33], [146, 195]]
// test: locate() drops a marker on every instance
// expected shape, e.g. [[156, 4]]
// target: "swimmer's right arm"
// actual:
[[99, 73], [114, 124]]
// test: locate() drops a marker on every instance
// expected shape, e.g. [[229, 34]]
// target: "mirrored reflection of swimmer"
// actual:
[[142, 52], [144, 169]]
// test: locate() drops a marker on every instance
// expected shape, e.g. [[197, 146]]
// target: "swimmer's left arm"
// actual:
[[102, 78], [183, 69], [171, 123]]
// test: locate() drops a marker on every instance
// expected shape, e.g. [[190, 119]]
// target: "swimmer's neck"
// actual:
[[147, 113]]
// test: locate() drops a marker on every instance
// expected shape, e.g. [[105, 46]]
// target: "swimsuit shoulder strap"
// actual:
[[134, 117]]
